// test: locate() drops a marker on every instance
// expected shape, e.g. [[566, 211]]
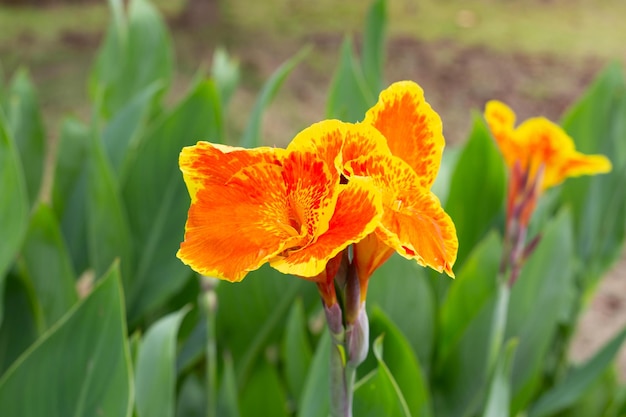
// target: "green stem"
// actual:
[[209, 303], [341, 380]]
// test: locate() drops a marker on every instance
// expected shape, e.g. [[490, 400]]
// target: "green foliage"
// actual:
[[95, 300]]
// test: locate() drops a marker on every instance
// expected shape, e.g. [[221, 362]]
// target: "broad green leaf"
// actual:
[[137, 52], [157, 200], [316, 395], [597, 123], [401, 289], [108, 232], [378, 393], [14, 207], [252, 135], [225, 73], [477, 189], [473, 288], [402, 364], [297, 352], [155, 370], [577, 381], [264, 393], [46, 266], [19, 329], [498, 399], [80, 367], [26, 126], [349, 96], [374, 46], [541, 300], [248, 328], [126, 125], [69, 191], [227, 405]]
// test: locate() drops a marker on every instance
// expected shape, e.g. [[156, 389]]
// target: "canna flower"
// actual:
[[253, 206], [538, 145], [336, 184], [539, 155]]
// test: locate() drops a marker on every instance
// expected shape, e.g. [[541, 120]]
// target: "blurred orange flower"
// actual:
[[540, 145], [336, 184]]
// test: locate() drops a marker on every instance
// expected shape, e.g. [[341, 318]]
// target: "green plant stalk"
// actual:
[[209, 304]]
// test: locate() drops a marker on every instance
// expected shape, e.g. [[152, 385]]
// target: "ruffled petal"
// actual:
[[501, 121], [337, 142], [312, 190], [412, 128], [578, 164], [235, 227], [414, 223], [356, 215], [207, 162], [418, 228]]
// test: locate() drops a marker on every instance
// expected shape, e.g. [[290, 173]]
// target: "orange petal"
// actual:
[[235, 227], [356, 215], [412, 128], [369, 254], [336, 142], [208, 162], [312, 191], [413, 223], [501, 121], [578, 164]]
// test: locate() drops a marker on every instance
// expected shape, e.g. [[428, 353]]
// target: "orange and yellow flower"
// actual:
[[538, 145], [336, 184]]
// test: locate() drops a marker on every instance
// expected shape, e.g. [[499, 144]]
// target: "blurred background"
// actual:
[[536, 55]]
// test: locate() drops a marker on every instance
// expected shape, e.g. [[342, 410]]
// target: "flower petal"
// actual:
[[337, 142], [312, 190], [412, 128], [356, 215], [235, 227], [208, 162], [413, 223], [578, 164], [369, 254]]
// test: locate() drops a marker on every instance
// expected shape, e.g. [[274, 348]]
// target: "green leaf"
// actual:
[[155, 371], [297, 351], [19, 329], [378, 393], [80, 367], [26, 126], [479, 177], [597, 123], [466, 325], [108, 232], [264, 394], [137, 52], [349, 96], [374, 46], [70, 189], [498, 399], [157, 200], [252, 135], [46, 266], [541, 300], [227, 405], [402, 364], [577, 381], [316, 395], [123, 131], [473, 288], [415, 296], [191, 398], [13, 210]]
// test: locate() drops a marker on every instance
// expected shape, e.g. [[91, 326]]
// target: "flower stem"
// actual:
[[209, 304]]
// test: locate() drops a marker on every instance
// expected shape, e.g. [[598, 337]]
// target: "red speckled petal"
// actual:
[[356, 215], [235, 227]]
